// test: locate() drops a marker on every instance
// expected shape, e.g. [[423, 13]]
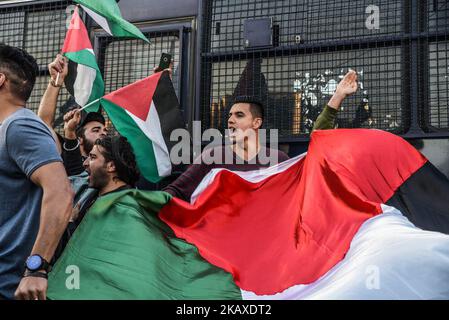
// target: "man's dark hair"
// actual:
[[256, 107], [118, 150], [20, 69], [85, 119]]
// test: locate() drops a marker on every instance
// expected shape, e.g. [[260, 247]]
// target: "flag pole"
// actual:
[[89, 104]]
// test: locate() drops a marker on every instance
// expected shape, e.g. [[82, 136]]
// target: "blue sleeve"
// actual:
[[31, 145]]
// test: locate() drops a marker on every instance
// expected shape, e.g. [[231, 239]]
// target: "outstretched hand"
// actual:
[[348, 85]]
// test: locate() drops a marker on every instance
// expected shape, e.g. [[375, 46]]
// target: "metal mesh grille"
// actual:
[[295, 88], [314, 44], [125, 61], [313, 20], [45, 33], [40, 29], [438, 15], [436, 118]]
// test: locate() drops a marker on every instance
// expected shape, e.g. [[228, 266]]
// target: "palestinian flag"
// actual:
[[146, 112], [84, 81], [124, 251], [108, 16], [318, 226]]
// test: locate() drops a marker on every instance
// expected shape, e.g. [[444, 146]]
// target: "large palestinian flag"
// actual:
[[84, 81], [146, 112], [318, 226]]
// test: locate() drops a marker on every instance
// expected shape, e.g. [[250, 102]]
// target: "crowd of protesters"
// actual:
[[49, 181]]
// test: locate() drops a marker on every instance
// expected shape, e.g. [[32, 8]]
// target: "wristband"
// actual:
[[71, 149], [54, 84], [35, 274]]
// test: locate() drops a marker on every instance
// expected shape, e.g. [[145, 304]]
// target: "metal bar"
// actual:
[[198, 63], [182, 103], [425, 135], [189, 73], [30, 3], [414, 70], [163, 27], [405, 66], [332, 45]]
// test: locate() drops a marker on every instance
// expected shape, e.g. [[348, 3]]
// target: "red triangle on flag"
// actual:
[[77, 37], [136, 97]]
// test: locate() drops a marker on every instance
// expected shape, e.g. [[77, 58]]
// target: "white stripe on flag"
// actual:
[[152, 129], [389, 258], [251, 176], [98, 19], [82, 88]]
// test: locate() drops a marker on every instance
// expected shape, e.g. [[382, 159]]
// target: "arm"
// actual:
[[73, 161], [47, 110], [71, 154], [326, 119], [55, 214], [47, 107], [185, 185], [31, 146], [346, 87]]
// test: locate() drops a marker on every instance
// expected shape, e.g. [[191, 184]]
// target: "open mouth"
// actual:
[[232, 133]]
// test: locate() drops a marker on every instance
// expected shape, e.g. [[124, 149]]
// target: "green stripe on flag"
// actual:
[[122, 250], [121, 29], [111, 12], [96, 94], [142, 145], [85, 57]]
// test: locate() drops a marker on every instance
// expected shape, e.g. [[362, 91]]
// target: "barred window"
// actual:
[[398, 48], [402, 63]]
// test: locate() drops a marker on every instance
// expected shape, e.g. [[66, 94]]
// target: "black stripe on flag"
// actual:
[[69, 80], [424, 199], [167, 107]]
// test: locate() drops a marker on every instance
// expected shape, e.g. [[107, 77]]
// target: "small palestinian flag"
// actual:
[[322, 225], [84, 81], [146, 112], [107, 14]]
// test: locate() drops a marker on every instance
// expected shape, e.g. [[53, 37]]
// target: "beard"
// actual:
[[98, 179]]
